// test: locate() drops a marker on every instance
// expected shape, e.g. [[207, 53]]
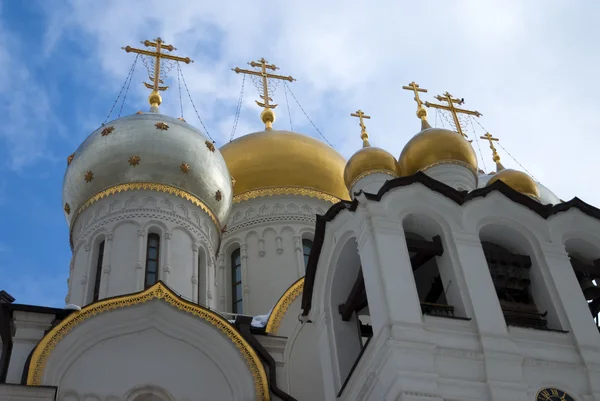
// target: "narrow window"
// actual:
[[152, 260], [236, 282], [201, 281], [98, 272], [306, 247]]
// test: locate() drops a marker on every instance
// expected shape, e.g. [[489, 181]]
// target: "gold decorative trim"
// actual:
[[373, 171], [283, 305], [457, 162], [147, 186], [258, 193], [45, 347]]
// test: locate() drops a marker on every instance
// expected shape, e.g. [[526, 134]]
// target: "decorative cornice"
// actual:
[[45, 347], [283, 305], [373, 171], [258, 193], [144, 186]]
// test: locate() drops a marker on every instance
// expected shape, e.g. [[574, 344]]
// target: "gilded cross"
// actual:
[[446, 97], [363, 129], [416, 89], [158, 55], [265, 75], [495, 155]]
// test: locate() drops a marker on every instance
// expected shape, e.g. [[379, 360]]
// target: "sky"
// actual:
[[529, 67]]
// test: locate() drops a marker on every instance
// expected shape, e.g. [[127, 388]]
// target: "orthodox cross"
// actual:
[[446, 97], [264, 66], [363, 129], [495, 155], [415, 88], [158, 55]]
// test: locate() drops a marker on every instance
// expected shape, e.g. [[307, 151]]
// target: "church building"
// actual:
[[273, 269]]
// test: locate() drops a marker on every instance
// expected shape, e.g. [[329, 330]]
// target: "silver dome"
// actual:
[[547, 197], [135, 149]]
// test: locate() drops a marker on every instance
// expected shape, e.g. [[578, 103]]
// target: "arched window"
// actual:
[[152, 257], [98, 272], [201, 280], [306, 247], [236, 282]]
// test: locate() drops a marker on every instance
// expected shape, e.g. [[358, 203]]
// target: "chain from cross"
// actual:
[[158, 55], [452, 102], [363, 129], [264, 66], [491, 139]]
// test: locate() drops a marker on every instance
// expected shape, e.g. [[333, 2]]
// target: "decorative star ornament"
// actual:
[[161, 126], [107, 131], [67, 208], [218, 195], [70, 158], [185, 168], [210, 146], [89, 176], [134, 160]]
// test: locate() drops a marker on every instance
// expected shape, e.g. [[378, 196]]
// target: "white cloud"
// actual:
[[529, 67]]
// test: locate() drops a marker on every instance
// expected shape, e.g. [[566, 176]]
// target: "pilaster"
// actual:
[[105, 266], [195, 278], [167, 258], [139, 265]]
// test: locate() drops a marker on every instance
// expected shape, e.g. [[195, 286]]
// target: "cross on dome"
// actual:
[[267, 116], [447, 97], [363, 129], [159, 55]]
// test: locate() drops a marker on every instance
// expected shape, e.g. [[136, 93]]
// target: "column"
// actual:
[[195, 294], [139, 265], [220, 281], [580, 320], [105, 266], [166, 270], [244, 256], [299, 255], [388, 273], [86, 296]]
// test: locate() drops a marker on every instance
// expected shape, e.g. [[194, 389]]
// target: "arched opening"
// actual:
[[307, 245], [517, 278], [585, 260], [432, 267], [148, 397], [351, 324], [236, 282], [152, 259]]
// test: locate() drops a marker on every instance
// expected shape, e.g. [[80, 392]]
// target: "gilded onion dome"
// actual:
[[273, 162], [148, 151], [433, 146], [517, 180], [368, 160]]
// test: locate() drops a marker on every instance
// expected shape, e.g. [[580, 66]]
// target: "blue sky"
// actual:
[[529, 67]]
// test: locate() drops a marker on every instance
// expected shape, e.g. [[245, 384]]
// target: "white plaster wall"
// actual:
[[111, 355], [454, 175], [370, 183], [415, 357], [269, 232], [124, 221], [30, 328]]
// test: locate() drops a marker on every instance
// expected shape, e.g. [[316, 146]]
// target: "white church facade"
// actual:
[[273, 269]]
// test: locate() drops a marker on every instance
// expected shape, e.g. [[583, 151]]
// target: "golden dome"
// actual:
[[517, 180], [366, 161], [434, 146], [282, 162]]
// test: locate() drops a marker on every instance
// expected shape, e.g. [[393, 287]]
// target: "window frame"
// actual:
[[148, 239], [236, 256], [304, 254], [98, 277]]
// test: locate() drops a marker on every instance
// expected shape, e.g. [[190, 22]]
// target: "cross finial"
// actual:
[[421, 112], [363, 129], [495, 155], [267, 115], [154, 67], [452, 102]]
